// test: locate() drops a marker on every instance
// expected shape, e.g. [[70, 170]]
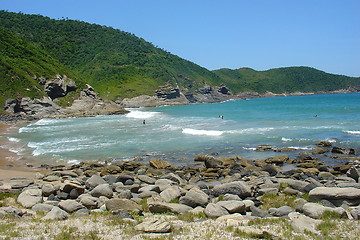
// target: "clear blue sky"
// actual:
[[260, 34]]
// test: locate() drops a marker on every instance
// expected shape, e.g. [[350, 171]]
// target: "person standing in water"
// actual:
[[144, 122]]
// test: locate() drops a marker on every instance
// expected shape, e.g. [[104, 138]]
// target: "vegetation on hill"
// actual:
[[21, 65], [119, 64], [288, 79], [116, 63]]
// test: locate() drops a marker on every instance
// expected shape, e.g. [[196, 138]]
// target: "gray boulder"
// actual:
[[213, 210], [281, 211], [333, 193], [122, 204], [195, 197], [48, 189], [258, 212], [153, 188], [239, 188], [146, 179], [56, 213], [233, 206], [42, 207], [102, 190], [70, 206], [354, 173], [30, 197], [89, 201], [295, 184], [161, 207], [355, 213], [20, 183], [94, 181], [315, 210], [154, 225], [302, 223], [170, 193]]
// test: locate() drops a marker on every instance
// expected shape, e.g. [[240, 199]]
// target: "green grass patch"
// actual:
[[191, 217], [247, 234], [330, 215], [277, 200]]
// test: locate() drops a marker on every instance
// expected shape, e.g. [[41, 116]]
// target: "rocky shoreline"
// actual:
[[212, 198]]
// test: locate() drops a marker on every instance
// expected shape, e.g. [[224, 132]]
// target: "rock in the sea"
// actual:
[[159, 164], [278, 160], [154, 225], [56, 213], [213, 163], [213, 210], [343, 150], [195, 197], [30, 197], [324, 144], [239, 188]]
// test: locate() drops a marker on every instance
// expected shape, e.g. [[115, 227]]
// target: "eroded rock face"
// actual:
[[59, 86]]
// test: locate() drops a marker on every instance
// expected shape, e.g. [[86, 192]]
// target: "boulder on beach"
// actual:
[[333, 193], [159, 164], [30, 197], [239, 188]]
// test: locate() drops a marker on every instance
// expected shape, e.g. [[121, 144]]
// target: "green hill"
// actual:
[[119, 64], [116, 63], [288, 79], [21, 66]]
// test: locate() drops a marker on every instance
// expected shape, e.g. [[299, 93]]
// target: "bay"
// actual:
[[178, 133]]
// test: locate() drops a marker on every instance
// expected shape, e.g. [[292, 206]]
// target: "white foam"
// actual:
[[202, 132], [286, 139], [140, 114], [301, 148], [353, 132], [251, 131], [44, 122], [249, 148], [12, 139], [73, 161]]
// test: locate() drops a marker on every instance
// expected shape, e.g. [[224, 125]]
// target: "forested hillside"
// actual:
[[21, 66], [288, 79], [118, 64]]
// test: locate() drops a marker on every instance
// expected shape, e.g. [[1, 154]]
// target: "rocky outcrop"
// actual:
[[88, 103], [59, 86]]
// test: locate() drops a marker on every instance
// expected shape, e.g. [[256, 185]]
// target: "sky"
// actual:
[[260, 34]]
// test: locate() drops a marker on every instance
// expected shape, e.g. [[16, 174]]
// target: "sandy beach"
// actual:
[[10, 163]]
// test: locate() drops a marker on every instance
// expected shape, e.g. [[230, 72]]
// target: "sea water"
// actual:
[[178, 133]]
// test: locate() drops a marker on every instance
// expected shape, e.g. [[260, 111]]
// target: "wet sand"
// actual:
[[10, 163]]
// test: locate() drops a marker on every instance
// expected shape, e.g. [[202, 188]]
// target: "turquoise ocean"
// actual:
[[178, 133]]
